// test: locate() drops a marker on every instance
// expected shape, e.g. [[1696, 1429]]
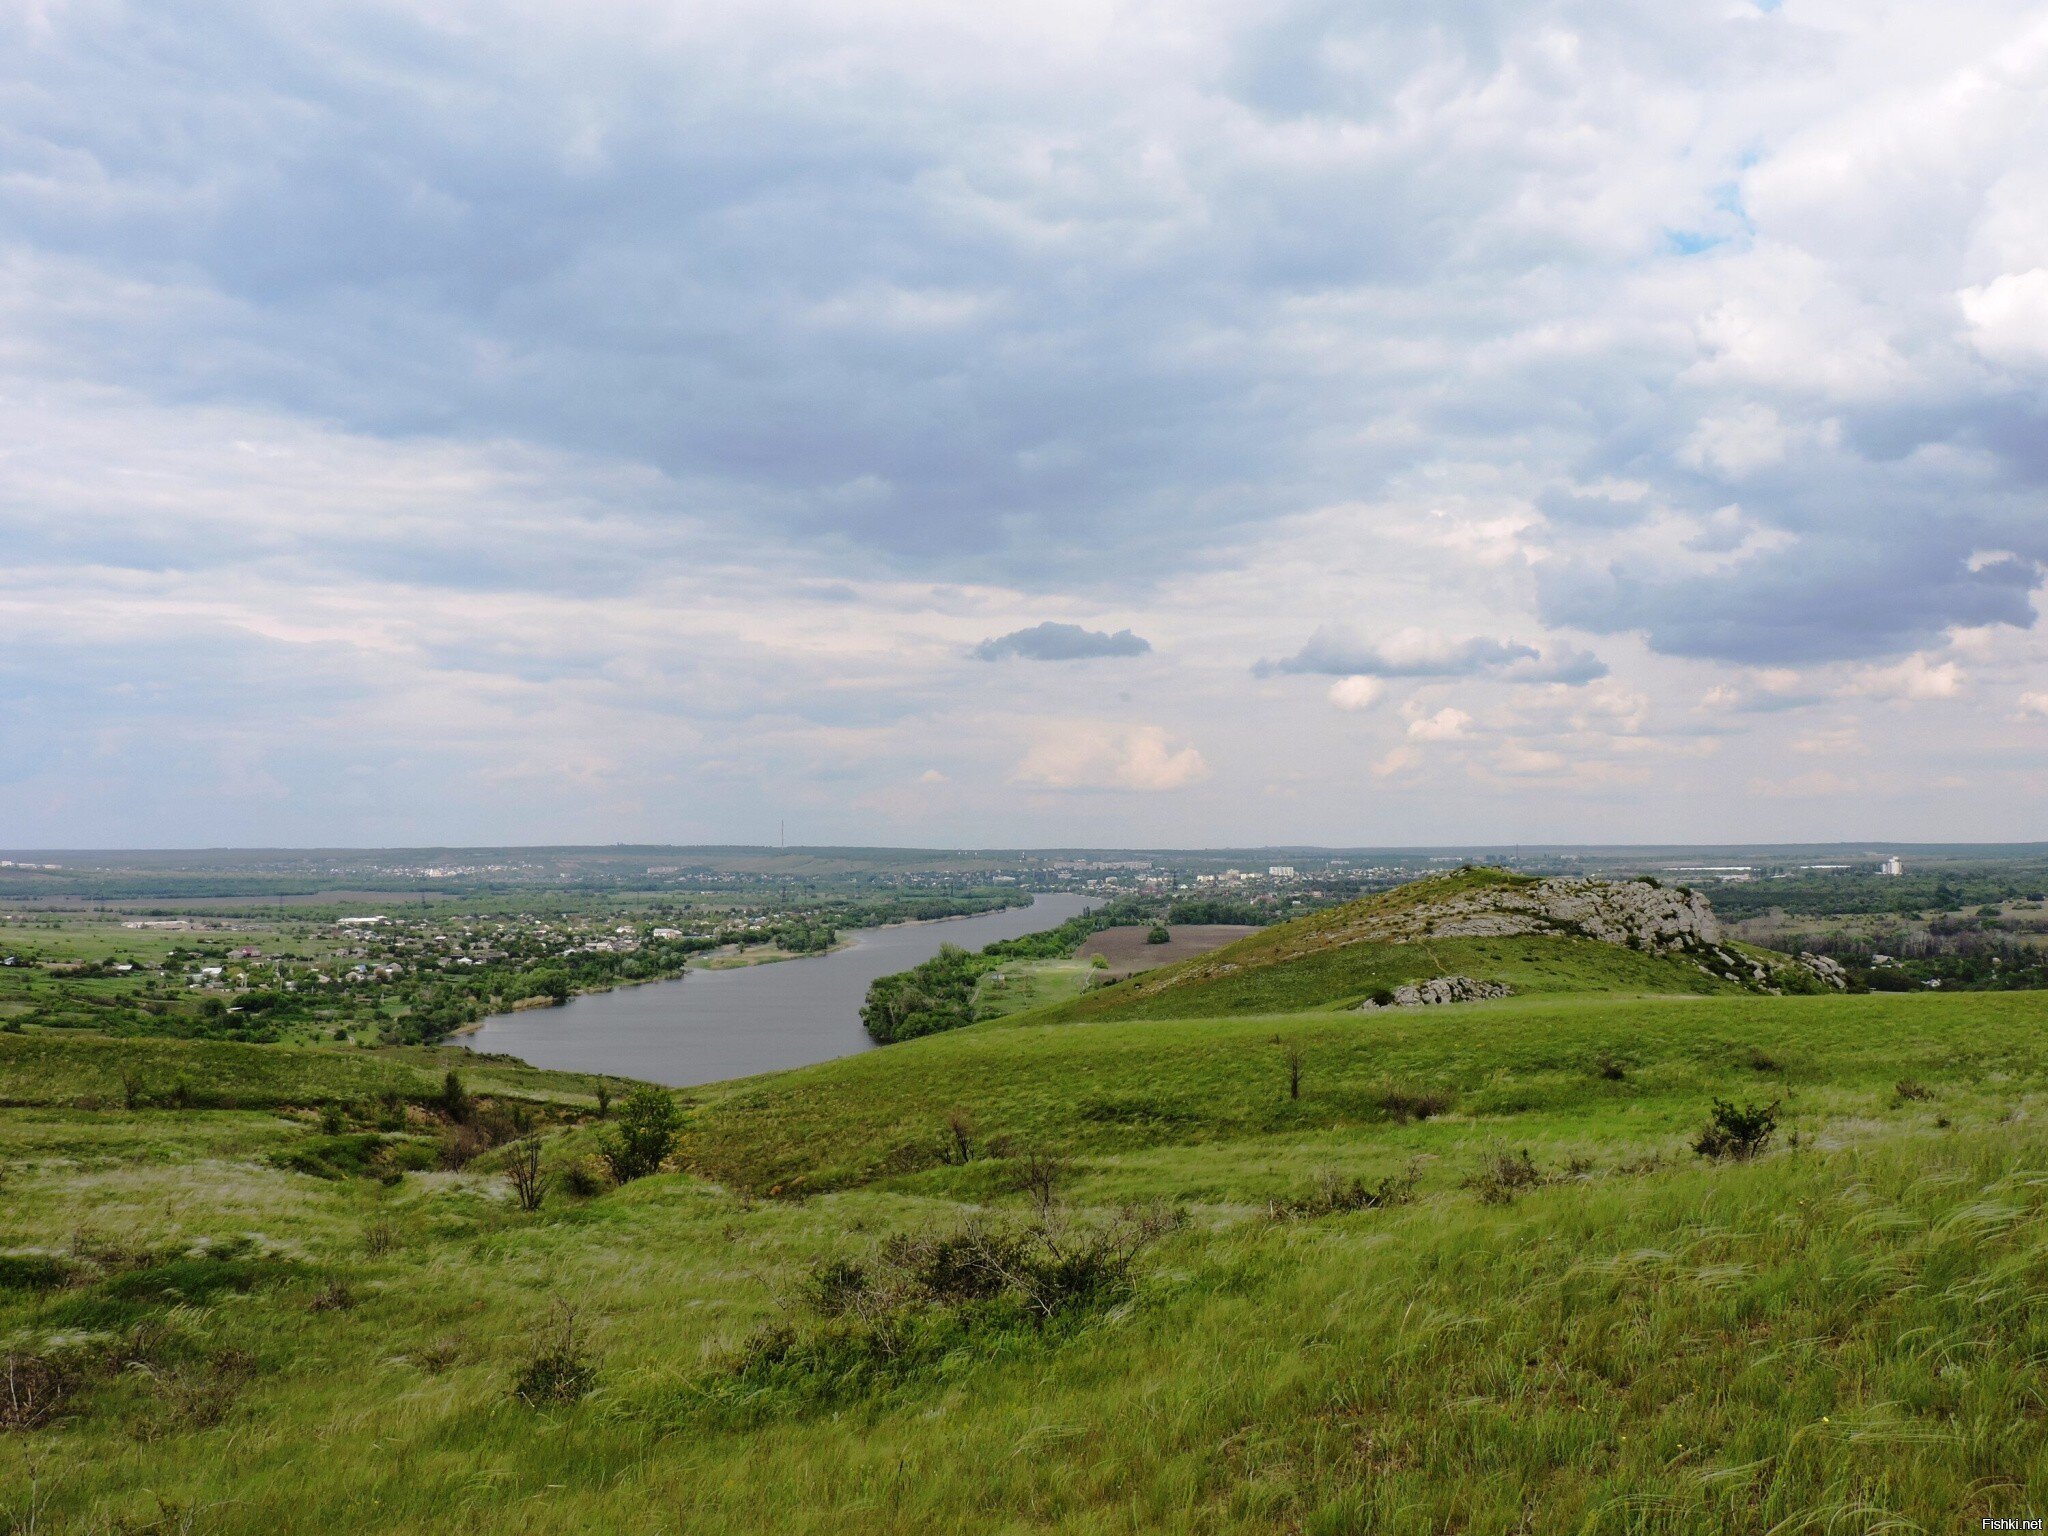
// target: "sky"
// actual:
[[947, 425]]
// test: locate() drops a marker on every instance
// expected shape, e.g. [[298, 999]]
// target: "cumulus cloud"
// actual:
[[1356, 692], [1914, 678], [1091, 754], [1447, 724], [2008, 317], [1423, 653], [1061, 642]]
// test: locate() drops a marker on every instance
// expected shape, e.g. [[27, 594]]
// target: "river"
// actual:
[[706, 1026]]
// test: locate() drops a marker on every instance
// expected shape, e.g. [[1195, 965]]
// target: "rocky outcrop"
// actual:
[[1829, 971], [1439, 989], [1633, 913]]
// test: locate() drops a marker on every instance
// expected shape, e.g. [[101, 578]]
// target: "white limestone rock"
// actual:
[[1438, 990]]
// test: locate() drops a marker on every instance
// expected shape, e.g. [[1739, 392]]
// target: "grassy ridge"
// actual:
[[1320, 961], [93, 1072], [1345, 976], [1121, 1086]]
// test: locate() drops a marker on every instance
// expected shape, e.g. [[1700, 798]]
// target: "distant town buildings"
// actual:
[[1892, 866], [1281, 871]]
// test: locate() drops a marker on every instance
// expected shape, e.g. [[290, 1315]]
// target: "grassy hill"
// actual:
[[1338, 958], [1467, 1273]]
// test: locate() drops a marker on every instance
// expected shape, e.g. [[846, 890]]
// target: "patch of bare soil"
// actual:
[[1127, 952]]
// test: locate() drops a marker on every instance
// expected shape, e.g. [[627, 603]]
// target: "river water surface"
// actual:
[[706, 1026]]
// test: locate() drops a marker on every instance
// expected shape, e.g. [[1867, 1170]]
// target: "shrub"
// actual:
[[33, 1387], [1737, 1132], [454, 1101], [32, 1272], [558, 1367], [957, 1144], [332, 1121], [335, 1296], [922, 1299], [583, 1180], [1503, 1176], [1334, 1195], [1039, 1174], [1402, 1105], [648, 1123], [379, 1238], [1159, 934], [1911, 1088], [523, 1167]]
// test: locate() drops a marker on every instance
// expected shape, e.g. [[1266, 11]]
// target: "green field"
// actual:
[[1841, 1334]]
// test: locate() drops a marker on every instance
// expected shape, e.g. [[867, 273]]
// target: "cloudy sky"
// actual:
[[1194, 422]]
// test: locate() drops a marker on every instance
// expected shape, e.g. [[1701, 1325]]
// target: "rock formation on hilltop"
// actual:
[[1637, 914]]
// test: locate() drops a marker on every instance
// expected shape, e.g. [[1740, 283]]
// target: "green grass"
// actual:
[[1346, 976], [1025, 985], [41, 1067], [1843, 1335]]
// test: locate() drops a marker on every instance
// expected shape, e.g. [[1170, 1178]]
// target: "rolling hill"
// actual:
[[1493, 927]]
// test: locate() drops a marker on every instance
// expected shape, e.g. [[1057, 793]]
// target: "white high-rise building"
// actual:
[[1891, 866]]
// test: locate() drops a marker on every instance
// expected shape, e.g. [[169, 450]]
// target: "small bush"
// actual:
[[523, 1168], [335, 1296], [1736, 1132], [558, 1368], [582, 1179], [1909, 1089], [1039, 1174], [332, 1121], [198, 1394], [1503, 1176], [1158, 934], [956, 1144], [1402, 1105], [1606, 1067], [380, 1237], [33, 1388], [32, 1272], [922, 1299], [1334, 1195], [1759, 1060]]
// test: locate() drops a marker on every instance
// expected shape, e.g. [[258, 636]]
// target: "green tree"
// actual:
[[647, 1125]]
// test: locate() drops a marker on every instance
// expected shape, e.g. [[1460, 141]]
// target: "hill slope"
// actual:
[[1558, 1318], [1529, 935]]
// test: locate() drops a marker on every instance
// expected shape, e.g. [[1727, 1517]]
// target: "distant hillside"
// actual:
[[1485, 926]]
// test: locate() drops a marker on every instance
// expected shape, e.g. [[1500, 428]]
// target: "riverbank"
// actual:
[[723, 1021]]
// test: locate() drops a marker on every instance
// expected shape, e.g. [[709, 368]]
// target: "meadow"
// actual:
[[1414, 1271]]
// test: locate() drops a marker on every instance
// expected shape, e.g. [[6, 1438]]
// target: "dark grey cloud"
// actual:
[[1834, 602], [1061, 642]]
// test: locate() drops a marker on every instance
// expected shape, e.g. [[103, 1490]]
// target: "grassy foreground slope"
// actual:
[[1841, 1335], [1321, 961]]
